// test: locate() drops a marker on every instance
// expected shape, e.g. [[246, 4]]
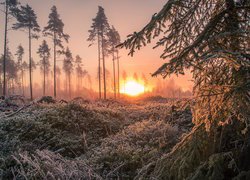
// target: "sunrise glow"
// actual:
[[133, 88]]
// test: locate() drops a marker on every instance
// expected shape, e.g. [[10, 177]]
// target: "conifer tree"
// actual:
[[99, 30], [58, 77], [79, 72], [25, 67], [124, 77], [55, 30], [19, 54], [145, 81], [44, 54], [27, 20], [11, 71], [89, 81], [212, 39], [10, 8], [68, 68], [114, 40]]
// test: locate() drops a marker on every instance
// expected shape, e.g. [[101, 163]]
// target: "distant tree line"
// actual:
[[13, 72]]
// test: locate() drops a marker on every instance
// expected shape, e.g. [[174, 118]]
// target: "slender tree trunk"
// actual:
[[58, 83], [69, 86], [24, 81], [5, 48], [22, 77], [77, 82], [114, 74], [118, 73], [54, 65], [81, 78], [1, 83], [30, 66], [13, 87], [66, 84], [124, 88], [99, 68], [104, 69], [44, 74]]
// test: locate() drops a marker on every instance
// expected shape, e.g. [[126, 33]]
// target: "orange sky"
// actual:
[[126, 15]]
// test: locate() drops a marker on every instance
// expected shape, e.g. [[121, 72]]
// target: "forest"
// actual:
[[65, 117]]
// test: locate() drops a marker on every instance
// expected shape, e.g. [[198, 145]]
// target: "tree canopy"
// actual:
[[27, 19], [55, 28], [44, 54]]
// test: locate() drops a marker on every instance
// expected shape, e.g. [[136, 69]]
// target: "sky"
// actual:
[[127, 16]]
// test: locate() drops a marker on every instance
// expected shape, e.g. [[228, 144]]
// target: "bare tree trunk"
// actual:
[[77, 82], [99, 68], [1, 83], [13, 90], [104, 69], [54, 65], [66, 84], [114, 74], [5, 47], [81, 86], [118, 73], [24, 81], [22, 78], [58, 83], [30, 66], [44, 74], [69, 86]]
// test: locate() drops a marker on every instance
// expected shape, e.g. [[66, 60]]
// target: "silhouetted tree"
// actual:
[[11, 71], [99, 30], [145, 81], [82, 76], [55, 30], [44, 54], [10, 8], [108, 80], [68, 68], [79, 71], [135, 76], [58, 77], [89, 81], [124, 77], [212, 38], [114, 40], [25, 67], [19, 54], [27, 20]]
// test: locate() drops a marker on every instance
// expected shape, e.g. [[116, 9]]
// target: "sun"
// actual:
[[133, 88]]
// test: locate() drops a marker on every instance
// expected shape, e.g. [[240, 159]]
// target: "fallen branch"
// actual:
[[19, 110]]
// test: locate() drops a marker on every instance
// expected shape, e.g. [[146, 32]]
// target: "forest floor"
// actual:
[[84, 139]]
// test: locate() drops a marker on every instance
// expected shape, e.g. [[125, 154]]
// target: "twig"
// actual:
[[19, 110], [116, 169]]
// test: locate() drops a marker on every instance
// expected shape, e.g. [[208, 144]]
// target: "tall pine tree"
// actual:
[[98, 32], [19, 54], [10, 8], [27, 20], [44, 54], [11, 71], [114, 40], [55, 30], [68, 69], [79, 72]]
